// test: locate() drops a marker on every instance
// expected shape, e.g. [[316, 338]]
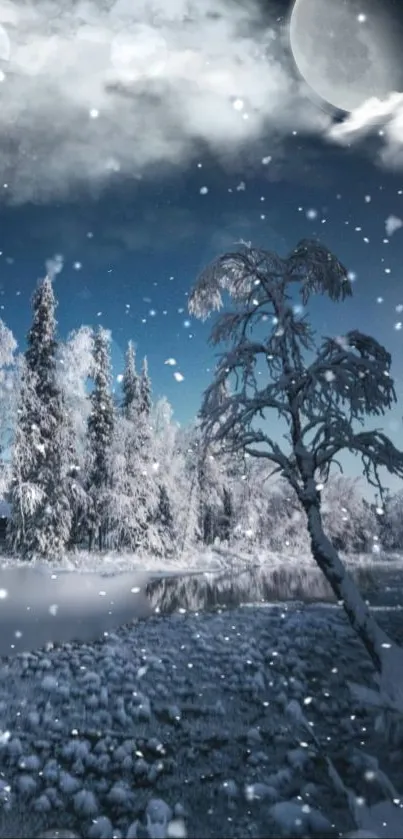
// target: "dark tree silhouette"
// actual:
[[322, 390]]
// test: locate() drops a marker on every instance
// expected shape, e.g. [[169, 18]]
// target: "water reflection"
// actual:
[[38, 606]]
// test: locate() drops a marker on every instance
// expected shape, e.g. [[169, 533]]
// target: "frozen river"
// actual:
[[38, 606]]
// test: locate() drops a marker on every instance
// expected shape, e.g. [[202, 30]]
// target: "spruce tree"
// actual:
[[131, 383], [100, 435], [40, 520], [145, 392]]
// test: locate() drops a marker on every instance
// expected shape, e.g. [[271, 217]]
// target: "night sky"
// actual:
[[139, 171]]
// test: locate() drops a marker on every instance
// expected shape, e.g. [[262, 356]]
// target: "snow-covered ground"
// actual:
[[182, 726]]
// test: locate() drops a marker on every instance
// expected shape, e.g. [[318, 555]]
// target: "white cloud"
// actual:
[[91, 90], [384, 114]]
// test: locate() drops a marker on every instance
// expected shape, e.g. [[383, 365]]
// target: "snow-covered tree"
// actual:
[[134, 497], [168, 469], [100, 436], [130, 383], [75, 364], [349, 521], [321, 390], [390, 521], [188, 521], [40, 521], [8, 389], [145, 391]]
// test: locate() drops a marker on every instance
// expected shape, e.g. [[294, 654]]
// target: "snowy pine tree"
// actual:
[[145, 392], [134, 496], [8, 387], [100, 436], [40, 521], [130, 383], [75, 366], [169, 475], [189, 519]]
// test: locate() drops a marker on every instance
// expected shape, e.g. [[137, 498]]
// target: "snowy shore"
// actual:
[[190, 710]]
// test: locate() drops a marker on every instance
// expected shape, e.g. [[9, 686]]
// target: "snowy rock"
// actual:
[[26, 785], [154, 771], [85, 803], [155, 745], [259, 792], [289, 818], [42, 804], [34, 719], [132, 831], [50, 771], [230, 789], [49, 683], [173, 713], [14, 747], [68, 784], [141, 767], [253, 736], [257, 758], [158, 811], [120, 796], [294, 819], [101, 828], [30, 763], [176, 829], [142, 711], [54, 798]]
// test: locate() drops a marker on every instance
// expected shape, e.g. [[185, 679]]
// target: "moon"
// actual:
[[347, 51]]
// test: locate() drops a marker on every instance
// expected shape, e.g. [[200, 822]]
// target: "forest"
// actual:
[[85, 466], [92, 463]]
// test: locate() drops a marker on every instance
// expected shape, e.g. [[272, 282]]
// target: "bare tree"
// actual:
[[322, 390]]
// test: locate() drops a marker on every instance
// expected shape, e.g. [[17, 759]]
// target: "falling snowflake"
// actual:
[[178, 377], [392, 223]]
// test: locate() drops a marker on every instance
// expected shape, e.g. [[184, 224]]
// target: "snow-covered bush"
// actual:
[[348, 519], [391, 522]]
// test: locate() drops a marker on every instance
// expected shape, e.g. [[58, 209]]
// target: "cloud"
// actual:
[[385, 114], [94, 90]]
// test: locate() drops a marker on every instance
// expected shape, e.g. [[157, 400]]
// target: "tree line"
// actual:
[[89, 470]]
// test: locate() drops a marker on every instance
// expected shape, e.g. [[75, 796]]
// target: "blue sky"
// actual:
[[139, 176]]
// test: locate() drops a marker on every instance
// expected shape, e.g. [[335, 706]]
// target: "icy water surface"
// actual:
[[38, 606]]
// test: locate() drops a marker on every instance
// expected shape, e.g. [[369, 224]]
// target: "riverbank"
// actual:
[[191, 710]]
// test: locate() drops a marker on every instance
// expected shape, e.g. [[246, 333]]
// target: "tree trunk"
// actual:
[[386, 655]]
